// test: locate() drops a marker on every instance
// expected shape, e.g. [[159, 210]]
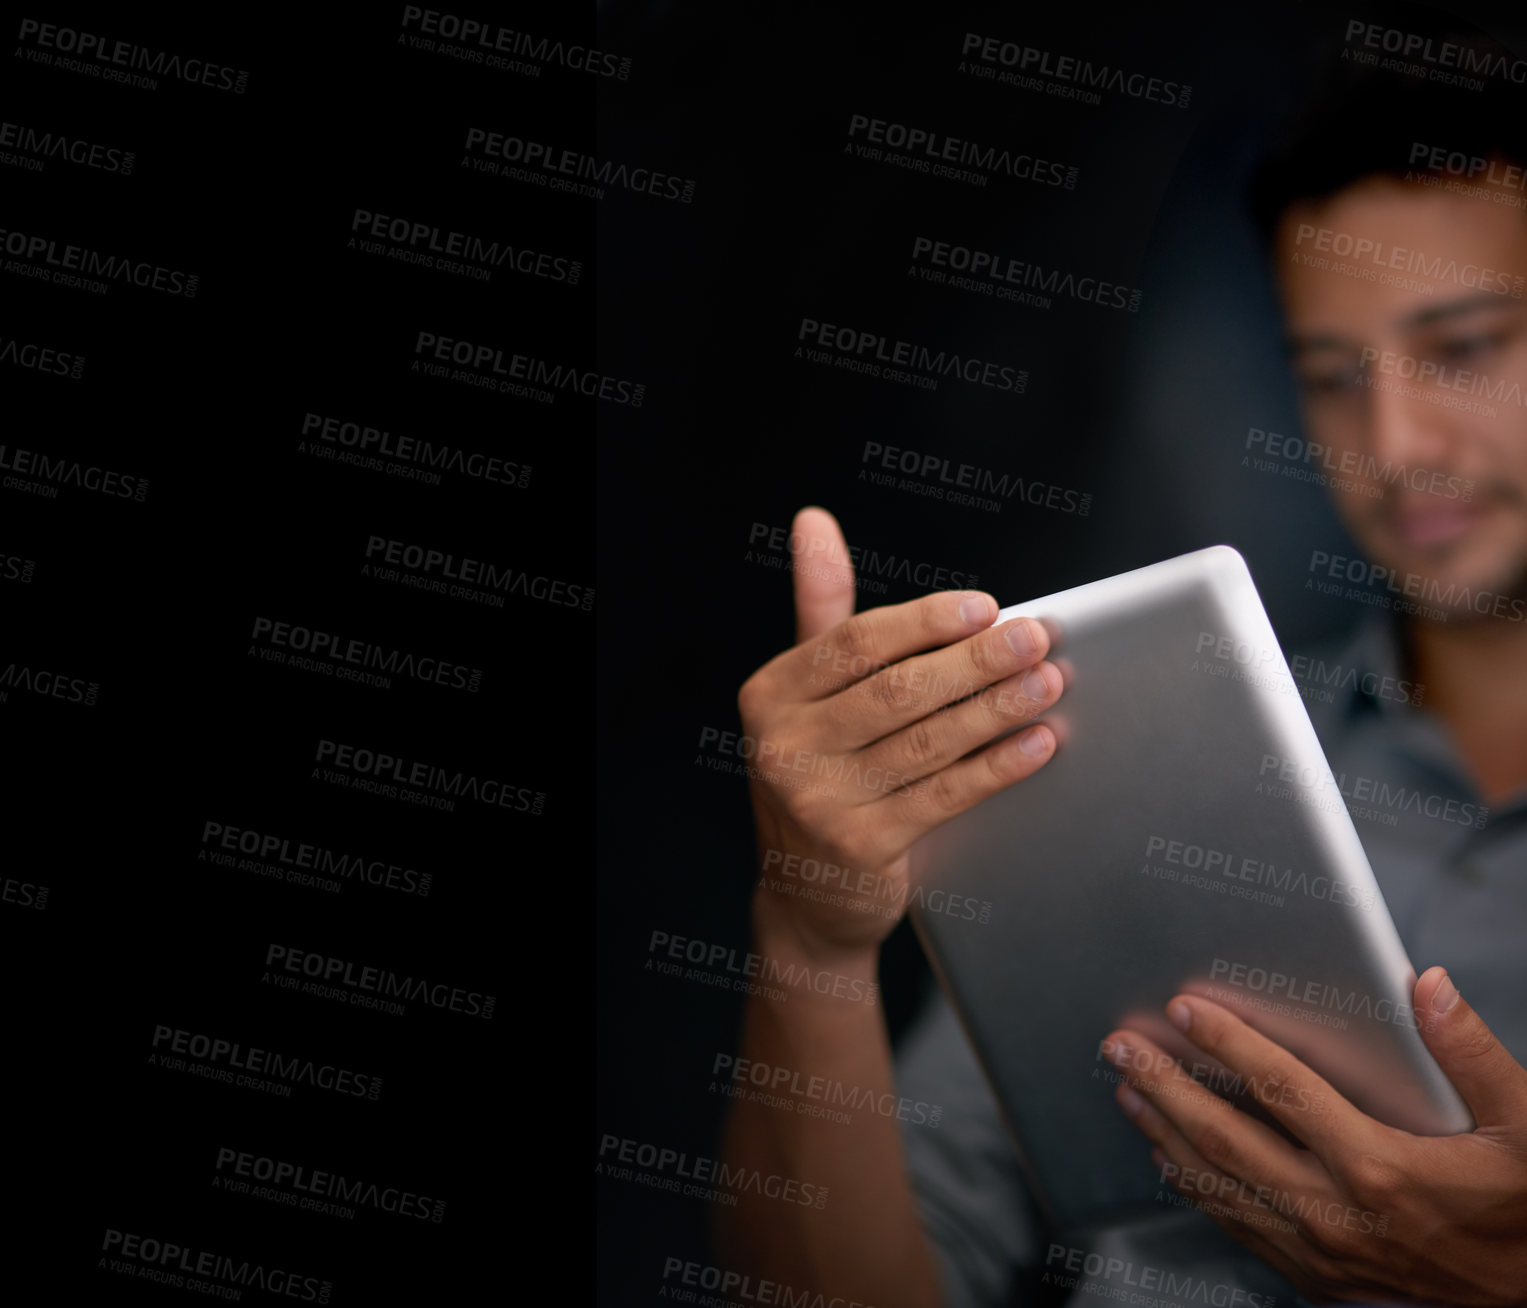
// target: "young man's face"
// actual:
[[1411, 351]]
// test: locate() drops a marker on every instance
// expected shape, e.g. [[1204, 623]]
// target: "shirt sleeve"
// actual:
[[970, 1193]]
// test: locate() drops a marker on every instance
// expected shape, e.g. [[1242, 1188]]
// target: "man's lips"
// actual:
[[1436, 524]]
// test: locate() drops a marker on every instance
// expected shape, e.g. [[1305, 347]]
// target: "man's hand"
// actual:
[[869, 733], [1365, 1210]]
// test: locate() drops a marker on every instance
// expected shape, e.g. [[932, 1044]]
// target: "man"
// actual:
[[1408, 328]]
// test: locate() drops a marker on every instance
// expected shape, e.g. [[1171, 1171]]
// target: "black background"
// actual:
[[156, 601]]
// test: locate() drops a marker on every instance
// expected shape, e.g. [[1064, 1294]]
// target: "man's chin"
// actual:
[[1456, 589]]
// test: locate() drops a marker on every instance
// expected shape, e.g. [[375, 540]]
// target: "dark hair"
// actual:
[[1368, 120]]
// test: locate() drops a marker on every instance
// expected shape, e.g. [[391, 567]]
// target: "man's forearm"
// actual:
[[866, 1243]]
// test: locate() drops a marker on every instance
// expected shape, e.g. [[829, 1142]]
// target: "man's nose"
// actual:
[[1404, 427]]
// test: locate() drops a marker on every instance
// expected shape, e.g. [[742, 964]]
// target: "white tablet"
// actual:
[[1188, 836]]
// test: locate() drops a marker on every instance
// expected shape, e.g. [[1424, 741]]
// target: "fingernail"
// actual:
[[1035, 742], [1130, 1100], [1179, 1015], [973, 609], [1445, 995], [1035, 685], [1020, 638]]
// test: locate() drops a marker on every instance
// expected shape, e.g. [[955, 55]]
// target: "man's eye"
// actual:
[[1466, 347], [1333, 381]]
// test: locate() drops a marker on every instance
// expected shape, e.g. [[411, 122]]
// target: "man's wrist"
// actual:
[[781, 936]]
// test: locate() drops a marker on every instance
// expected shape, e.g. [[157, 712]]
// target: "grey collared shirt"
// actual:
[[1454, 875]]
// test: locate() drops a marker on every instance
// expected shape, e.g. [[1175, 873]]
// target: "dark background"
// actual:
[[155, 601], [1148, 411]]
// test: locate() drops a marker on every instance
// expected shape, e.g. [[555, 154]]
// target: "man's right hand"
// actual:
[[868, 734]]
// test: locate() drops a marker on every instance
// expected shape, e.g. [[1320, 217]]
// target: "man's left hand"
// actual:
[[1364, 1210]]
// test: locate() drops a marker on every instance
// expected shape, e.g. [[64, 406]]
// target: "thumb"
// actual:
[[1492, 1083], [823, 572]]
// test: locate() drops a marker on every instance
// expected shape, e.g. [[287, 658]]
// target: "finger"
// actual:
[[1309, 1234], [913, 811], [1492, 1083], [822, 571], [871, 641], [1230, 1141], [1275, 1240], [1230, 1201], [908, 691], [947, 735], [1299, 1098]]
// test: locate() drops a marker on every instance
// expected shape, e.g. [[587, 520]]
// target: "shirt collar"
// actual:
[[1376, 675]]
